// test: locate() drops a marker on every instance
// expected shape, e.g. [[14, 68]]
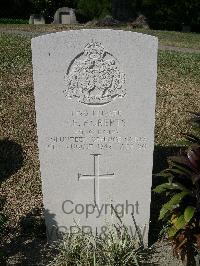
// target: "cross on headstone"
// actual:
[[96, 177]]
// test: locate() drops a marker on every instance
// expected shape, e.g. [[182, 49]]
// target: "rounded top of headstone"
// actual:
[[64, 9], [98, 31]]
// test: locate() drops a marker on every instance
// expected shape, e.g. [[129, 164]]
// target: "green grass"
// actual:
[[178, 91], [176, 65], [13, 21], [17, 120], [15, 53], [177, 39], [171, 38]]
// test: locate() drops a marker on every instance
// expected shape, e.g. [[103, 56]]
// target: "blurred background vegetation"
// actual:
[[160, 14]]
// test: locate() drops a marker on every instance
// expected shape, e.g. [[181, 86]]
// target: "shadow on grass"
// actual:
[[29, 245], [11, 158], [159, 163], [28, 242]]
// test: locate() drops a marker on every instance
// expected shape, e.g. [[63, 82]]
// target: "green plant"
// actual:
[[181, 212], [94, 9], [114, 246]]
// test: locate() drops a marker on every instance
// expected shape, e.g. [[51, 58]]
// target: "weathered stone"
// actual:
[[65, 15], [36, 19], [95, 96]]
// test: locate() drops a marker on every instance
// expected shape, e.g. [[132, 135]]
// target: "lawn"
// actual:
[[168, 38], [176, 39], [178, 91]]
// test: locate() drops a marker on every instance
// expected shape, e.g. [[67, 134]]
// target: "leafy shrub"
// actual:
[[94, 9], [16, 9], [181, 212]]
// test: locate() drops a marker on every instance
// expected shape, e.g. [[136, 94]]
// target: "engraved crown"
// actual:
[[94, 51]]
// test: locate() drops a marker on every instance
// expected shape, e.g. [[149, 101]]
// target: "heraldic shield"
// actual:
[[94, 77]]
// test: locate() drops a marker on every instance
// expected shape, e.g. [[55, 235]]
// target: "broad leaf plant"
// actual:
[[181, 213]]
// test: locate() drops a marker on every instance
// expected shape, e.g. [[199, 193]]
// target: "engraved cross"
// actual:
[[96, 177]]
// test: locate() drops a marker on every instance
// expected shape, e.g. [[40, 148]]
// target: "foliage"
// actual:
[[172, 15], [124, 10], [181, 212], [164, 15], [13, 21], [117, 247], [86, 10], [94, 9], [113, 246], [48, 7], [15, 9], [168, 15]]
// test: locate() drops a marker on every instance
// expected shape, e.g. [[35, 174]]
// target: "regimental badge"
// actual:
[[93, 77]]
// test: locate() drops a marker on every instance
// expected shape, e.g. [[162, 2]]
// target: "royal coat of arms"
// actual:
[[93, 77]]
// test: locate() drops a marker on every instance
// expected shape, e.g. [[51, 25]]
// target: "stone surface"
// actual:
[[65, 15], [95, 104], [36, 19]]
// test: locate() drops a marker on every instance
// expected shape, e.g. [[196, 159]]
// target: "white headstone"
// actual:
[[65, 18], [65, 15], [36, 19], [95, 96]]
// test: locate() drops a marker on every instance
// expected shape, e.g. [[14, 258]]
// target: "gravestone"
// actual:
[[95, 96], [65, 15], [36, 19]]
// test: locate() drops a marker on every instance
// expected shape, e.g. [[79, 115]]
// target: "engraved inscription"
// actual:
[[96, 177], [97, 130], [93, 77]]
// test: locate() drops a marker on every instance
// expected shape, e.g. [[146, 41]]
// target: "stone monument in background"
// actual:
[[65, 15], [36, 19]]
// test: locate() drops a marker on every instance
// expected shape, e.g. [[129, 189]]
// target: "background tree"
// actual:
[[92, 9], [15, 8], [47, 8], [160, 14], [122, 10], [188, 12]]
